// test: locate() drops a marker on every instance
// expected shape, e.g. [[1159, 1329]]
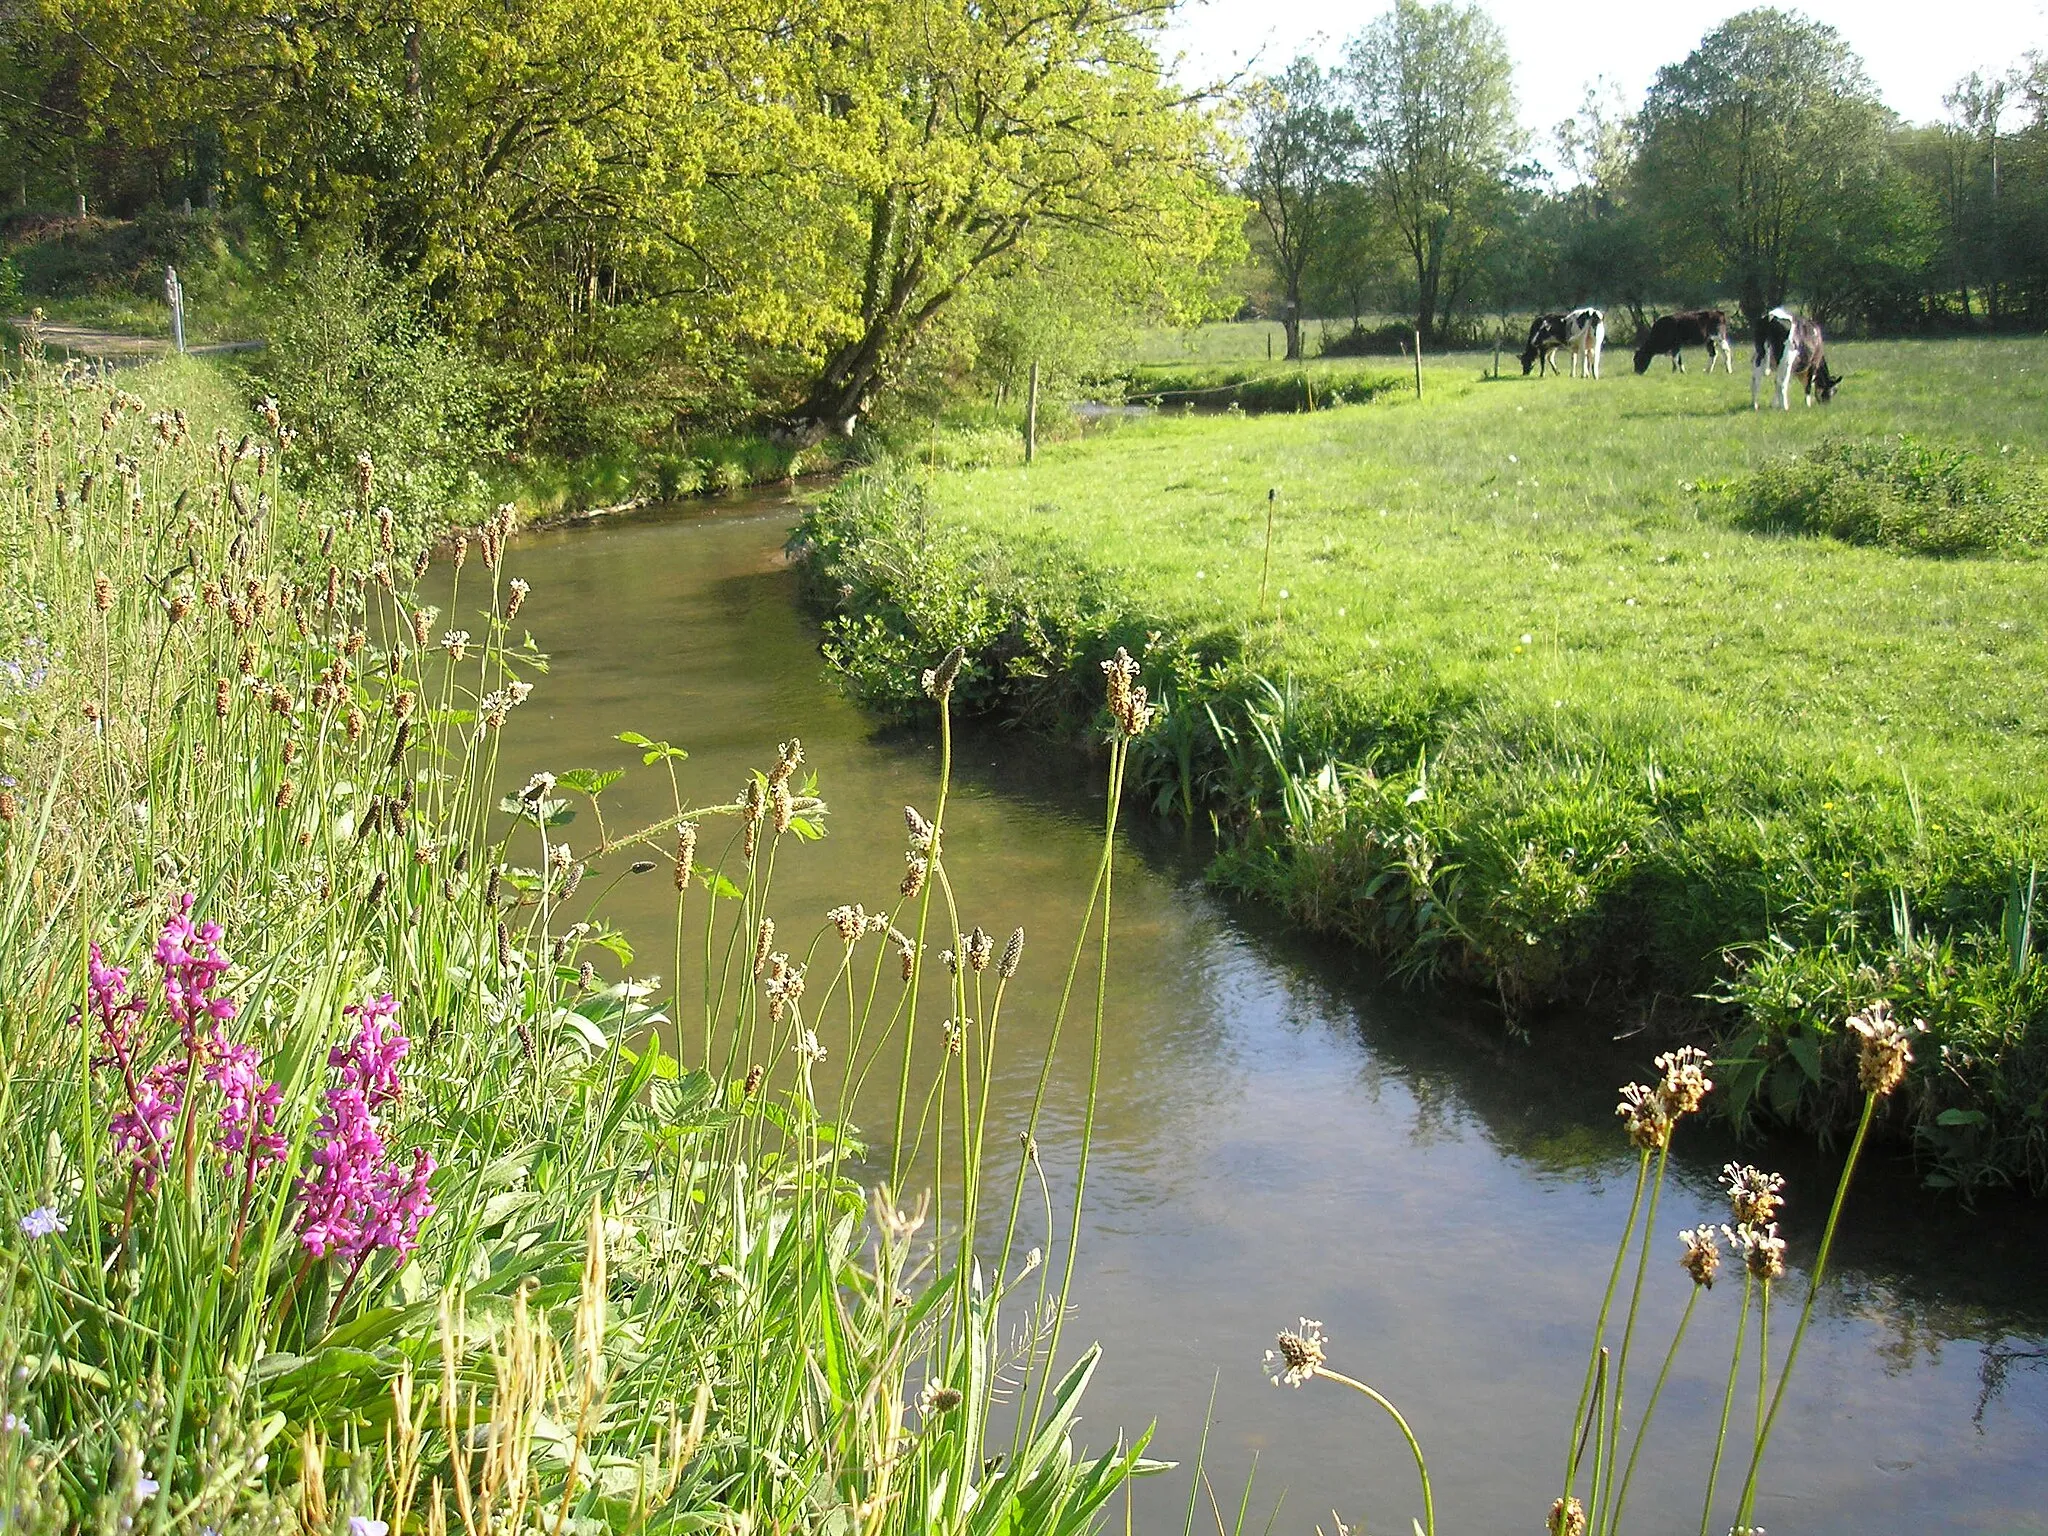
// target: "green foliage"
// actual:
[[354, 361], [1755, 149], [1906, 494], [1515, 713], [1435, 105], [1261, 389]]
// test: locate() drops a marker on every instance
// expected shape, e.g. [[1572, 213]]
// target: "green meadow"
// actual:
[[1548, 684]]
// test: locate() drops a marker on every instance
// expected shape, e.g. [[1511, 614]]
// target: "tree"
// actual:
[[958, 137], [1301, 148], [1755, 150], [1432, 86]]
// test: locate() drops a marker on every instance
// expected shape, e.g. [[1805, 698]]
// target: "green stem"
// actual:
[[1575, 1447], [1820, 1269], [1727, 1400], [1628, 1331], [1414, 1448], [1643, 1429]]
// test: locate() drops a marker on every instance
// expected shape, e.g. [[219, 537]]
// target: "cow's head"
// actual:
[[1824, 383], [1644, 357], [1529, 355]]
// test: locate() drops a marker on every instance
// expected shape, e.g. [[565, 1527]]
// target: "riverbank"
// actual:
[[1528, 701]]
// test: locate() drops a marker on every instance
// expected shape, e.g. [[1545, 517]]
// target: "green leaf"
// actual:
[[1804, 1051], [718, 885], [1961, 1117], [590, 781]]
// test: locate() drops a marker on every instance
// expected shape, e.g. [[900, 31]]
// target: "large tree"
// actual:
[[958, 138], [1300, 150], [1433, 91], [1756, 150]]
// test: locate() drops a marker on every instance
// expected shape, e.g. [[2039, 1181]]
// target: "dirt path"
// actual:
[[84, 341]]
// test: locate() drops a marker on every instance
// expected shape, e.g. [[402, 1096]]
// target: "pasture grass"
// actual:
[[1524, 699]]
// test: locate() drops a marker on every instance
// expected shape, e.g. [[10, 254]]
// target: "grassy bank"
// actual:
[[1536, 697], [352, 1174]]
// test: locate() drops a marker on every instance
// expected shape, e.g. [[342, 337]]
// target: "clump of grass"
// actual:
[[379, 1188], [1903, 493]]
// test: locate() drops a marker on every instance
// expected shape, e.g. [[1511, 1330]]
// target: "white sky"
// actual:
[[1914, 51]]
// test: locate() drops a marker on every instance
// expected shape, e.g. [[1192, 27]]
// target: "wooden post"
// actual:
[[1031, 417], [1266, 569], [1418, 363], [1496, 354], [1269, 346], [174, 295]]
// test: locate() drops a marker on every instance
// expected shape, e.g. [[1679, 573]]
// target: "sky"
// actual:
[[1915, 51]]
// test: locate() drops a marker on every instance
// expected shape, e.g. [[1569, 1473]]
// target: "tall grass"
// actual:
[[371, 1194]]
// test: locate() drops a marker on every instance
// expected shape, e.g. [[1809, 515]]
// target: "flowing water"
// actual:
[[1282, 1135]]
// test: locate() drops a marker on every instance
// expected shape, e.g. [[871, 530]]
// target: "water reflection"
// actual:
[[1281, 1136]]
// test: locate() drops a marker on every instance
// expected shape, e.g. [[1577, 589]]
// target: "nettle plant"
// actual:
[[350, 1178]]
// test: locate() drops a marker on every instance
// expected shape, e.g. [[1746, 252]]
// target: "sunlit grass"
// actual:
[[1526, 702]]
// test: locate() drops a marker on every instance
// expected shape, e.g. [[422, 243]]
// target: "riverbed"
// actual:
[[1282, 1134]]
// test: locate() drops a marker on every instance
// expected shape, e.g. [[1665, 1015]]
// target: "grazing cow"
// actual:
[[1671, 334], [1583, 330], [1791, 346]]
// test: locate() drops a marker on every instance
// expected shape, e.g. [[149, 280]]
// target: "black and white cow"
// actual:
[[1670, 335], [1790, 346], [1584, 331]]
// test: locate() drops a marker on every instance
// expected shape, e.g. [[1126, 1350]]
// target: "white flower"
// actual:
[[1295, 1356], [363, 1525]]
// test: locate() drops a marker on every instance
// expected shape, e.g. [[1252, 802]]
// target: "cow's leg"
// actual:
[[1756, 375], [1785, 376], [1599, 341]]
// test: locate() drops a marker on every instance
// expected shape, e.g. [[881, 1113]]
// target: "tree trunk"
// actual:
[[1293, 319]]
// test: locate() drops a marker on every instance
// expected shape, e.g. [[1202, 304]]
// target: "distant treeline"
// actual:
[[1761, 168]]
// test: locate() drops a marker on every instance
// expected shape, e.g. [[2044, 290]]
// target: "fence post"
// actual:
[[1031, 417], [174, 295], [1266, 565], [1418, 362]]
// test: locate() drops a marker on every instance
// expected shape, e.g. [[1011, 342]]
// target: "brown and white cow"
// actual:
[[1790, 346], [1584, 331], [1670, 335]]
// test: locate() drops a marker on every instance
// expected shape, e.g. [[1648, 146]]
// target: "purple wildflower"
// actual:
[[190, 958], [251, 1104], [144, 1128], [115, 1007], [357, 1198], [370, 1061], [43, 1222]]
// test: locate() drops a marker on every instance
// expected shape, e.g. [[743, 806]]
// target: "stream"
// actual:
[[1283, 1134]]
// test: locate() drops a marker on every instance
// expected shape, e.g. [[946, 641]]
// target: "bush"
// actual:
[[356, 366], [1272, 387], [1904, 494]]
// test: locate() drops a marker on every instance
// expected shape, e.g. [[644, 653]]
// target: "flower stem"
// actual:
[[1575, 1448], [1643, 1429], [1628, 1330], [1820, 1269], [1727, 1400], [1415, 1449]]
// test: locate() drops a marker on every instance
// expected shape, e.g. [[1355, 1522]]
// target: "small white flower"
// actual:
[[1296, 1356], [363, 1525]]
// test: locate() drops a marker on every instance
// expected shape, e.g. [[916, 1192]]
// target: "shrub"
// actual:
[[356, 366], [1904, 494], [1272, 387]]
